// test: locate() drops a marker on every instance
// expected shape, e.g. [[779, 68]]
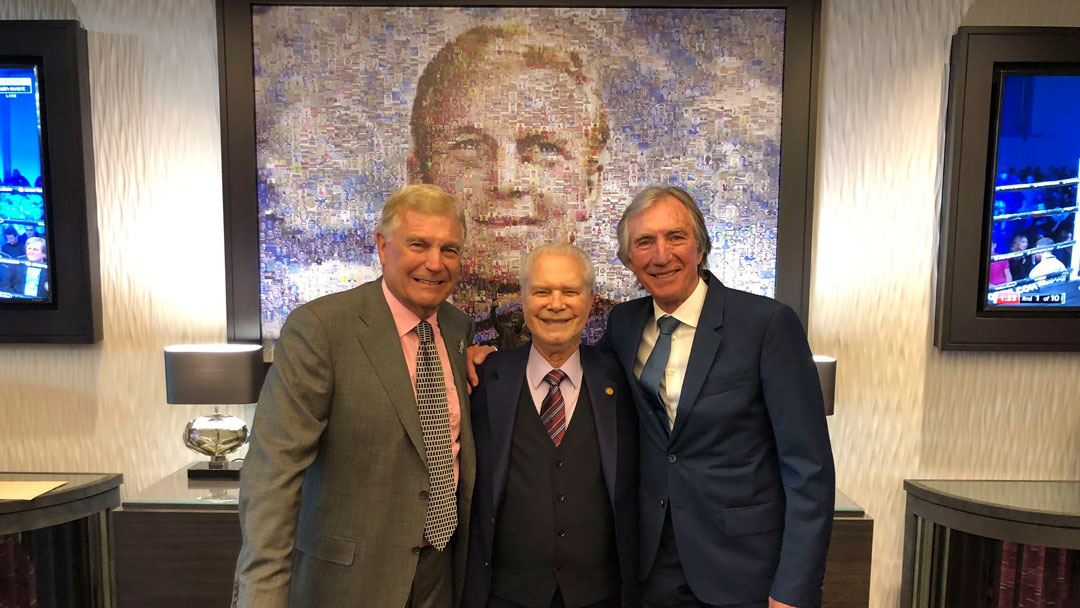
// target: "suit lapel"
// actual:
[[455, 333], [707, 340], [502, 403], [376, 333], [601, 390]]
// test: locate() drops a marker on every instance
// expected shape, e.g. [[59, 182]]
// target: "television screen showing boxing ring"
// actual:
[[1008, 275], [1032, 260], [24, 254]]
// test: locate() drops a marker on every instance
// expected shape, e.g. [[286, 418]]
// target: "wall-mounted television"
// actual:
[[1009, 275], [24, 260], [49, 285]]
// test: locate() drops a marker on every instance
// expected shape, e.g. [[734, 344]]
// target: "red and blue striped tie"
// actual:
[[553, 410]]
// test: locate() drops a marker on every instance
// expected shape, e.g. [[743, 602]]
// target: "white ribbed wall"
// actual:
[[903, 408], [154, 96]]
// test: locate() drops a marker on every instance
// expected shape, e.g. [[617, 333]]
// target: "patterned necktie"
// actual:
[[654, 368], [441, 519], [553, 410]]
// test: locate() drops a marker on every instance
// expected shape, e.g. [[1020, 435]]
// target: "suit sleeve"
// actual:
[[5, 278], [289, 419], [792, 394], [606, 344]]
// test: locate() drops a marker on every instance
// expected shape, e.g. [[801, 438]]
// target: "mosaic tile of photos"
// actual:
[[544, 121]]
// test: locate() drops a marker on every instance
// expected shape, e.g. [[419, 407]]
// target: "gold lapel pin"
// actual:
[[609, 390]]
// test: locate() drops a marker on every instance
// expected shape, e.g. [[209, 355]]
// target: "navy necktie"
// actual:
[[654, 368]]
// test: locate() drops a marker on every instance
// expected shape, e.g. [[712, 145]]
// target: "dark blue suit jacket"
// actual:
[[748, 469], [494, 404]]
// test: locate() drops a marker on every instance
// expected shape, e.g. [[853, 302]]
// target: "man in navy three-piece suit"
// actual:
[[556, 432], [737, 480]]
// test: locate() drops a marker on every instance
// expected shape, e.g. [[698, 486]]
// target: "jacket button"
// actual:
[[423, 495], [560, 567], [562, 532], [662, 502], [558, 463], [561, 497], [416, 550], [487, 564], [671, 458]]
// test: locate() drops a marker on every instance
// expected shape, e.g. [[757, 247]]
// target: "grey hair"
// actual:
[[647, 198], [421, 198], [565, 249], [39, 241]]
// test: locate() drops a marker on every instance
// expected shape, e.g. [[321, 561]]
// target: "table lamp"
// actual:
[[826, 369], [217, 374]]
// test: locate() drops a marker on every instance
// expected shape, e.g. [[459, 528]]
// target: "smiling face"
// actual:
[[556, 301], [421, 259], [515, 137], [35, 252], [663, 253]]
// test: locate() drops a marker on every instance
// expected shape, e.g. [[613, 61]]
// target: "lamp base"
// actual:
[[203, 470]]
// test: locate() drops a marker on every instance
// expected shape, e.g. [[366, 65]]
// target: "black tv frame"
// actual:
[[239, 170], [74, 314], [961, 321]]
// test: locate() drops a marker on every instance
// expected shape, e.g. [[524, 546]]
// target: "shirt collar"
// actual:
[[689, 312], [538, 367], [405, 320]]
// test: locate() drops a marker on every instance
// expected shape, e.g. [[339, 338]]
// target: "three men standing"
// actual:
[[365, 411]]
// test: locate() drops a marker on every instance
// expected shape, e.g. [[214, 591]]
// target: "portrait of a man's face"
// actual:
[[544, 122], [511, 121]]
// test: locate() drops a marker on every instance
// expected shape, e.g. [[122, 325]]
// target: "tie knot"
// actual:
[[423, 329], [667, 324], [555, 377]]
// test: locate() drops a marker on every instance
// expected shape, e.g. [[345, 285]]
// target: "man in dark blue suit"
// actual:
[[737, 480], [556, 431]]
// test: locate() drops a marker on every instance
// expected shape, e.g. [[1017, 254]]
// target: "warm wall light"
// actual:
[[826, 369], [216, 374]]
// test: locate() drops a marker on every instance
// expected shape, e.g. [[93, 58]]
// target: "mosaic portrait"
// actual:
[[544, 122]]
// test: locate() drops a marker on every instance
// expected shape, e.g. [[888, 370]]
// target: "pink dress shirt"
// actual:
[[538, 367], [405, 321]]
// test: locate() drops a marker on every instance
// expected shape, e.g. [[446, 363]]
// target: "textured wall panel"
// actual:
[[904, 409], [154, 95]]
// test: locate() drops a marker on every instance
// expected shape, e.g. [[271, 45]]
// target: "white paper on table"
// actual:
[[26, 490]]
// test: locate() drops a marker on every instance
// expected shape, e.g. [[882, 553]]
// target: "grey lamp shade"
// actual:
[[213, 373], [826, 368]]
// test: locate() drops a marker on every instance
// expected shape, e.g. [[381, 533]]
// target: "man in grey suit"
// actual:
[[356, 487]]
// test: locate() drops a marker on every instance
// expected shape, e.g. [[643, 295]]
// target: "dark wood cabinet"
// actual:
[[991, 544], [177, 543], [55, 549]]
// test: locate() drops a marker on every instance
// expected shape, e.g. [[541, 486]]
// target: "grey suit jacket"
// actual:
[[331, 503]]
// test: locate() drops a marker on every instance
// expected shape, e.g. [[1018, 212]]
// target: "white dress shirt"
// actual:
[[682, 339], [538, 367]]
